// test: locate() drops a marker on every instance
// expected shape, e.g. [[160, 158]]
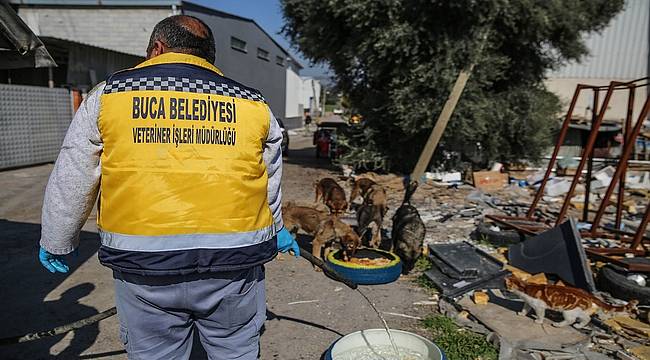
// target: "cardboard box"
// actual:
[[490, 180]]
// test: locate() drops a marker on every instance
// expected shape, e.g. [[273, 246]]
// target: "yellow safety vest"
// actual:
[[182, 164]]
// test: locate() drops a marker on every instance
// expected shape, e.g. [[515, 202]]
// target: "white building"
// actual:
[[303, 94]]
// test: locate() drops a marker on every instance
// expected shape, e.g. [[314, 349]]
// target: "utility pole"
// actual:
[[445, 115], [441, 123]]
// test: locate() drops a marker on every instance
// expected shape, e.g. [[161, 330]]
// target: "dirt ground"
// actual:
[[306, 310]]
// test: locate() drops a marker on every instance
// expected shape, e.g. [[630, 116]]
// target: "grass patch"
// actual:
[[424, 282], [458, 343], [423, 264]]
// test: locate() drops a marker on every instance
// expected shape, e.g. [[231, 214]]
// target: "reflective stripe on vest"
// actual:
[[182, 164]]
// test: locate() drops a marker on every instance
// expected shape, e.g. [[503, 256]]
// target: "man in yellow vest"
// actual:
[[187, 165]]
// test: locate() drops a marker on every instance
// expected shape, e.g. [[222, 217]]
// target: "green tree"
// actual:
[[396, 61]]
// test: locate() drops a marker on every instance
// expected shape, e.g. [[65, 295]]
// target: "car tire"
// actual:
[[367, 275], [613, 279], [497, 238]]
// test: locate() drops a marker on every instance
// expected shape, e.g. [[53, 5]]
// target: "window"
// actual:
[[279, 60], [238, 44], [262, 54]]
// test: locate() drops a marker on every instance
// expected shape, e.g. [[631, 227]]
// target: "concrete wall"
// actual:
[[246, 67]]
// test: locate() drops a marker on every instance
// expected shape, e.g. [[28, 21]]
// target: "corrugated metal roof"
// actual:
[[620, 51], [117, 29]]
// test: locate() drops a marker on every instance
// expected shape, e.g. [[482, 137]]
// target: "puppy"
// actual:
[[408, 231], [331, 230], [360, 187], [332, 194], [373, 209], [302, 218], [325, 228]]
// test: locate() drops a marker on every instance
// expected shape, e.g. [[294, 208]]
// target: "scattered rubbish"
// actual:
[[640, 279], [603, 177], [638, 181], [641, 352], [557, 251], [538, 279], [462, 267], [621, 323], [426, 302], [490, 180], [480, 298], [302, 302], [402, 315], [567, 166], [497, 166], [557, 186], [445, 177]]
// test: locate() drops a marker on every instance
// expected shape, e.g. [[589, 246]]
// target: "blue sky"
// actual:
[[268, 14]]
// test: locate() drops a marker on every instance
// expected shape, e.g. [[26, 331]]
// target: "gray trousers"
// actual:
[[158, 314]]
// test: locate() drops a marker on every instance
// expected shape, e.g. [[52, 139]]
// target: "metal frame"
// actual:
[[532, 226]]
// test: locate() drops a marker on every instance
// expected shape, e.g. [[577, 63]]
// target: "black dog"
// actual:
[[408, 231]]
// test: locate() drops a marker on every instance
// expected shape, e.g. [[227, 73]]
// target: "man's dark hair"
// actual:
[[184, 34]]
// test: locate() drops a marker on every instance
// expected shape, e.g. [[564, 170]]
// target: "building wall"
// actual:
[[618, 53], [311, 91], [294, 106], [246, 67]]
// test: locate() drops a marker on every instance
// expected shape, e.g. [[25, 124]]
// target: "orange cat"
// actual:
[[574, 304]]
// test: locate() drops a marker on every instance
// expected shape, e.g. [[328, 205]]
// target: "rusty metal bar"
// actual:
[[640, 267], [621, 184], [640, 231], [509, 224], [590, 165], [556, 150], [588, 148], [622, 165]]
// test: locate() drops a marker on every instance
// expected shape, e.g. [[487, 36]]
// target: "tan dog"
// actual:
[[373, 209], [302, 217], [331, 230], [360, 187], [332, 194], [325, 228]]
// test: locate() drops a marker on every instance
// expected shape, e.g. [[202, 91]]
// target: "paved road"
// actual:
[[32, 299]]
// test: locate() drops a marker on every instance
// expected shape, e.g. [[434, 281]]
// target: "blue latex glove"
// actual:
[[286, 242], [53, 263]]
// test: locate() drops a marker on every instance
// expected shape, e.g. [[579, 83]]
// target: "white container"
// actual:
[[379, 337]]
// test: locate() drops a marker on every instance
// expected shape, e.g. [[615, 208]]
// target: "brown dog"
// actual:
[[325, 228], [332, 194], [360, 187], [373, 209], [334, 229], [302, 217]]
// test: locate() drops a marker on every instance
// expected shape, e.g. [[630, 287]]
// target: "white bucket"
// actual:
[[378, 337]]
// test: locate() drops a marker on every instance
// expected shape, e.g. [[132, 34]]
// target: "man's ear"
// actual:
[[158, 48]]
